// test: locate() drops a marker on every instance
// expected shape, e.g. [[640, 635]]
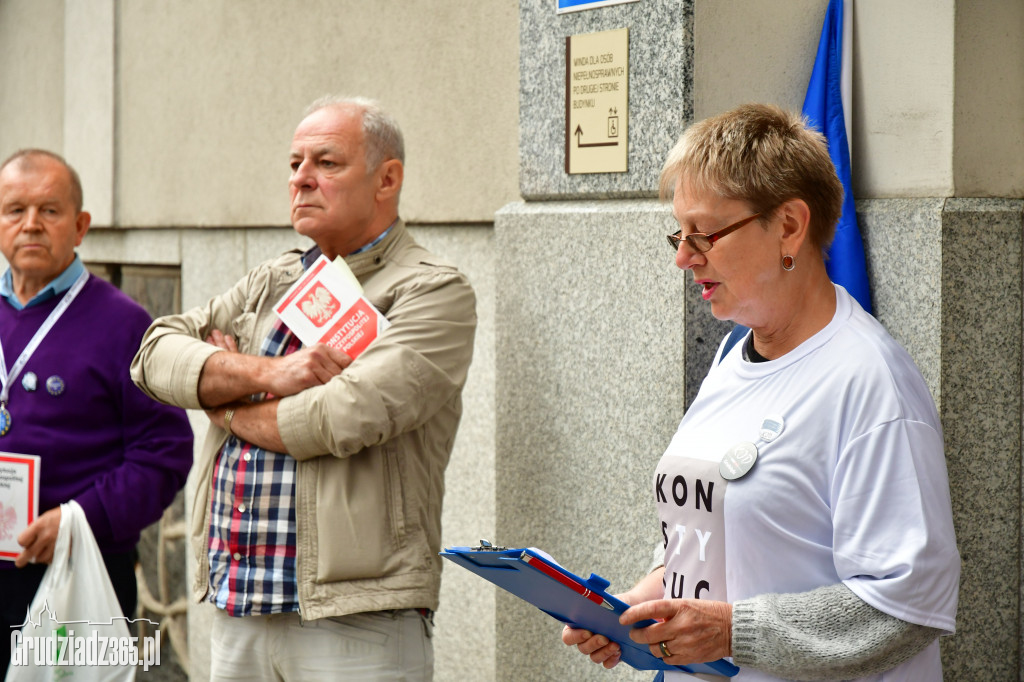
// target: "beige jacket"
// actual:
[[372, 444]]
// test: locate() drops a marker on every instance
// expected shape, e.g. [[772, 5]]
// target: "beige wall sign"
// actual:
[[597, 102]]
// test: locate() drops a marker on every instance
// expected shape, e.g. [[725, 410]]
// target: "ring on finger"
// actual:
[[665, 653]]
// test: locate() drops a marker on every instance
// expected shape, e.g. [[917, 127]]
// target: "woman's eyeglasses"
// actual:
[[702, 243]]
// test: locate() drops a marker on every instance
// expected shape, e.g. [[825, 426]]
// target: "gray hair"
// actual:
[[24, 158], [380, 130]]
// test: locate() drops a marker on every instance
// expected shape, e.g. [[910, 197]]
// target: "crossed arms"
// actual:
[[208, 358], [228, 378]]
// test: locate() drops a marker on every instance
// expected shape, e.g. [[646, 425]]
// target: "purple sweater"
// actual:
[[102, 442]]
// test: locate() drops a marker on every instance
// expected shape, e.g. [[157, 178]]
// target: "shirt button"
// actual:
[[237, 556], [247, 456], [241, 508]]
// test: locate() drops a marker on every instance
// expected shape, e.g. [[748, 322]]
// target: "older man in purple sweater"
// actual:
[[68, 339]]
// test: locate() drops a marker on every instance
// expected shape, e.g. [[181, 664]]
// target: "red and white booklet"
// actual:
[[327, 306], [19, 499]]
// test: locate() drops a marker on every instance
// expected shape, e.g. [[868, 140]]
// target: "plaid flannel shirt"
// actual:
[[252, 521]]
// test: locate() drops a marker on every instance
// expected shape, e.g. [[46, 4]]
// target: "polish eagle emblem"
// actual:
[[319, 305], [8, 519]]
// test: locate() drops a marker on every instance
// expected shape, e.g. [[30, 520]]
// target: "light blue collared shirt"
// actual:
[[58, 286], [376, 241]]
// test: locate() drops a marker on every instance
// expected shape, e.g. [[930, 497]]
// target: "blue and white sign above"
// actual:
[[580, 5]]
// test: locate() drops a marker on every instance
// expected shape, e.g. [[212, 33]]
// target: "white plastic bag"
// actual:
[[75, 629]]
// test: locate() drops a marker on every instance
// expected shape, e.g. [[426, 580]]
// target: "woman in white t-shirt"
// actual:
[[804, 504]]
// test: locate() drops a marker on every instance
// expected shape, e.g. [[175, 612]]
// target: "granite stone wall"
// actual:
[[660, 94], [588, 392]]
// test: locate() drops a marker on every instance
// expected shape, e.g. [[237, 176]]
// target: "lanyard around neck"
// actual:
[[44, 329]]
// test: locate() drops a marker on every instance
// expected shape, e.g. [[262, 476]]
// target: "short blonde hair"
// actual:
[[764, 155]]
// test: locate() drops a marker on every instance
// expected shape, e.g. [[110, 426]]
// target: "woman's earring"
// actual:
[[788, 263]]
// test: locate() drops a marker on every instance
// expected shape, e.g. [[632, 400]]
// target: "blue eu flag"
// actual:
[[823, 106]]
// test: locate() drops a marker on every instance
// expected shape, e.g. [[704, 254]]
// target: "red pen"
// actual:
[[551, 572]]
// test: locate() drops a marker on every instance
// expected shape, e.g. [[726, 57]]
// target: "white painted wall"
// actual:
[[903, 98], [903, 85], [989, 99], [31, 75], [210, 91]]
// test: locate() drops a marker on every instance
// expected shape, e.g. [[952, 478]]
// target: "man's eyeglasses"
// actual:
[[702, 243]]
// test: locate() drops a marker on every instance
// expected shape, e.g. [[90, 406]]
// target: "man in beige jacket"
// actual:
[[317, 515]]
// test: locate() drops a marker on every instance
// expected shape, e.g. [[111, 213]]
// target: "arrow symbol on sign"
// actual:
[[579, 136]]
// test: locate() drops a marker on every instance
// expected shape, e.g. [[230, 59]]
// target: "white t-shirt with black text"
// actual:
[[849, 483]]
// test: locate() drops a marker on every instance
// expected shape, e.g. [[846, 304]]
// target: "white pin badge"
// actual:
[[771, 427], [738, 461]]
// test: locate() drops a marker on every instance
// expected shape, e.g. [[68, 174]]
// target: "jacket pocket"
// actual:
[[358, 529], [396, 494]]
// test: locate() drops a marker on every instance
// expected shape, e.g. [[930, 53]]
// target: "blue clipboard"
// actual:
[[566, 597]]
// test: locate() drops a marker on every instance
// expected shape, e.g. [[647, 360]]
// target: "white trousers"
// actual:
[[363, 647]]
